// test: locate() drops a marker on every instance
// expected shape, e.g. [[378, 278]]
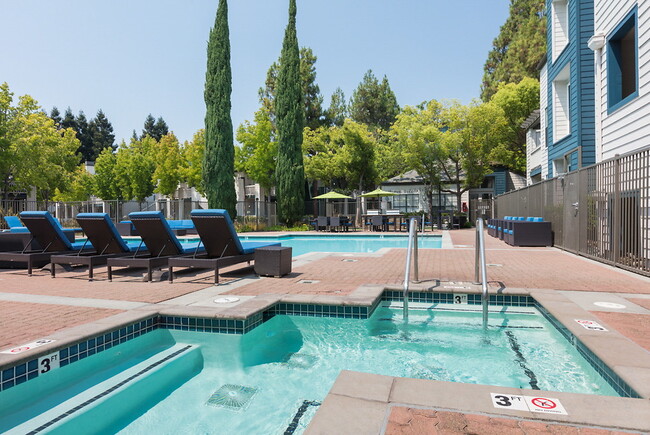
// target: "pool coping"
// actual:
[[624, 357]]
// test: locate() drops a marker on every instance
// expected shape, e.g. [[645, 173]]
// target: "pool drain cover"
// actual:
[[232, 397], [308, 281], [300, 360]]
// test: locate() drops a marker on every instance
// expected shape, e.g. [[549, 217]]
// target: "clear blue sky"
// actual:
[[135, 57]]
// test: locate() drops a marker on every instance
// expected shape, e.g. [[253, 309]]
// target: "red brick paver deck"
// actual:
[[22, 322], [413, 421], [634, 326]]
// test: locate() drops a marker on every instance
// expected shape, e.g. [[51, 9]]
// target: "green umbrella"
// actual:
[[332, 195], [378, 193]]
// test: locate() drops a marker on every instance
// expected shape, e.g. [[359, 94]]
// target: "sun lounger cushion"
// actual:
[[182, 248]]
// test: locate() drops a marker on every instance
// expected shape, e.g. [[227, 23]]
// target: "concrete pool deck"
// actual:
[[69, 306]]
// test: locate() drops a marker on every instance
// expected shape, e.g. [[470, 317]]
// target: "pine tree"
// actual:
[[102, 134], [149, 127], [85, 136], [219, 158], [338, 110], [160, 129], [69, 120], [56, 117], [374, 103], [518, 48], [290, 176]]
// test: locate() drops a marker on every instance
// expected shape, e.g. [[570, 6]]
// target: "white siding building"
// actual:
[[622, 59]]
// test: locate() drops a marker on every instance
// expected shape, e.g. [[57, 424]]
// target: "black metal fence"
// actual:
[[601, 212]]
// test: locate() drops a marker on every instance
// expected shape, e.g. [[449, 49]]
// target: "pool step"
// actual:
[[104, 406]]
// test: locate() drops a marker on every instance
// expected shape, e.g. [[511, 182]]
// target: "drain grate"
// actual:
[[308, 281], [349, 260], [300, 360], [232, 397]]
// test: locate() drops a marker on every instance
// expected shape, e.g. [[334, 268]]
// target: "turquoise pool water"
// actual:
[[303, 244], [277, 374]]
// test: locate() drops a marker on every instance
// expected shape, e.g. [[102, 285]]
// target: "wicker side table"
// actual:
[[273, 260]]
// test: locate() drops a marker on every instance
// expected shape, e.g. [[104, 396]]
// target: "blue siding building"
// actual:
[[570, 103]]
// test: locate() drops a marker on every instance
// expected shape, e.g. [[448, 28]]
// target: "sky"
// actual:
[[131, 58]]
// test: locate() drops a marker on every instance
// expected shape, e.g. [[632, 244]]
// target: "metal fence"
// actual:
[[601, 212], [255, 214]]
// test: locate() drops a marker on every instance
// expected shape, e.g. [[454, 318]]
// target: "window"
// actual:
[[562, 104], [559, 27], [622, 63]]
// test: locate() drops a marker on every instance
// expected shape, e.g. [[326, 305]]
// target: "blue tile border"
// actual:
[[448, 298], [317, 310]]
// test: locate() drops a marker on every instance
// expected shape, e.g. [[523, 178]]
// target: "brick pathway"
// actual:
[[22, 322], [404, 420]]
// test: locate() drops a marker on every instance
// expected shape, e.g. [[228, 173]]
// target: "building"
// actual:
[[621, 59], [567, 105]]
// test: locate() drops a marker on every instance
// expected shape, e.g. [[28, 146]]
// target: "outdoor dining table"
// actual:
[[387, 221]]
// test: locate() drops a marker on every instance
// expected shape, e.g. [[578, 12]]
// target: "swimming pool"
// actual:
[[272, 379], [303, 244]]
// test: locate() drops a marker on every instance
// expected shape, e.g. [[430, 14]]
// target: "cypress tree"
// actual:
[[289, 110], [219, 158]]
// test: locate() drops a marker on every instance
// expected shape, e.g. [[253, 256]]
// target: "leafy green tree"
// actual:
[[134, 169], [106, 186], [33, 152], [219, 159], [80, 187], [170, 165], [519, 47], [192, 154], [338, 109], [374, 103], [289, 109], [312, 98], [517, 102], [258, 151]]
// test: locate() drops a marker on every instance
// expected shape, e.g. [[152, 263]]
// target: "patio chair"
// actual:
[[51, 238], [322, 223], [160, 240], [108, 243], [222, 244]]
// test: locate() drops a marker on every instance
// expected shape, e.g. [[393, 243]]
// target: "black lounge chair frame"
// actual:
[[221, 248], [51, 244], [105, 242], [157, 236]]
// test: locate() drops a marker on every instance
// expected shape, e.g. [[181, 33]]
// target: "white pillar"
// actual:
[[596, 43]]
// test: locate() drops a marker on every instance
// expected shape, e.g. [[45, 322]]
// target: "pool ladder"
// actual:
[[480, 261], [411, 254]]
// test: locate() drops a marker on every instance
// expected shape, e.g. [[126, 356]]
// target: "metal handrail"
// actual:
[[480, 259], [411, 251]]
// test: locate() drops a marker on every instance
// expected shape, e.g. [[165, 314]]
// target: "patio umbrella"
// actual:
[[332, 195], [378, 193]]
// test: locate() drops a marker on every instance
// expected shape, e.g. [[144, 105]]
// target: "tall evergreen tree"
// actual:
[[338, 110], [153, 128], [85, 136], [374, 103], [519, 47], [149, 128], [102, 134], [69, 120], [160, 129], [290, 174], [312, 98], [56, 117], [219, 158]]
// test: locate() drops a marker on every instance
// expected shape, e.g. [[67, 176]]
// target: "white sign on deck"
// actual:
[[28, 346], [591, 325], [547, 405]]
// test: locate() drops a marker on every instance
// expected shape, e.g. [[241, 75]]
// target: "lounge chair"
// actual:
[[160, 240], [103, 235], [51, 238], [222, 244]]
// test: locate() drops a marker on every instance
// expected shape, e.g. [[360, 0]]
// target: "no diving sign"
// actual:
[[545, 405]]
